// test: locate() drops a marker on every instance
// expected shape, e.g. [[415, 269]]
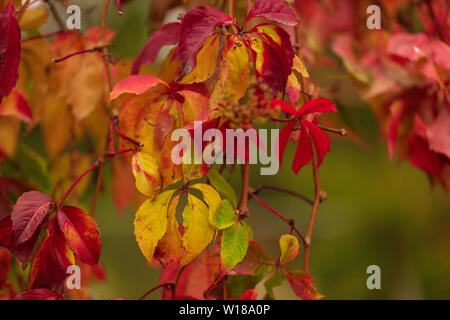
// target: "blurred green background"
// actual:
[[378, 211]]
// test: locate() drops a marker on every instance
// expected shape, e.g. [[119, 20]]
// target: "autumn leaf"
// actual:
[[51, 261], [256, 262], [225, 215], [289, 248], [10, 50], [234, 244], [5, 231], [302, 285], [210, 196], [274, 10], [198, 232], [275, 280], [38, 294], [167, 35], [250, 294], [33, 17], [135, 84], [150, 223], [16, 105], [81, 233], [5, 264], [222, 186], [145, 170], [27, 217]]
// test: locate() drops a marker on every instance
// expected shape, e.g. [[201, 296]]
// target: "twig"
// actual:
[[243, 202], [341, 132], [280, 189], [289, 221], [119, 7], [93, 49]]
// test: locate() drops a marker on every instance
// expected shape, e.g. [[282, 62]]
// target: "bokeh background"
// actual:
[[378, 211]]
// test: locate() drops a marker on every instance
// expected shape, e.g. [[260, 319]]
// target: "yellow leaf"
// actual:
[[150, 223], [9, 130], [198, 232], [289, 248], [211, 197], [300, 67], [33, 18], [145, 169], [234, 75], [206, 62]]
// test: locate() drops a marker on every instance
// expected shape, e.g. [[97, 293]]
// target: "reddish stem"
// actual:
[[290, 222], [74, 184], [112, 154], [119, 7], [123, 136], [168, 285], [280, 189], [94, 49]]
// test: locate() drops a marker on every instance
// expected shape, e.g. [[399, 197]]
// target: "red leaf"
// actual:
[[81, 233], [196, 27], [250, 294], [439, 133], [51, 261], [167, 35], [10, 50], [274, 10], [38, 294], [321, 141], [304, 152], [285, 133], [317, 106], [5, 264], [285, 107], [5, 231], [302, 284], [137, 84], [27, 216]]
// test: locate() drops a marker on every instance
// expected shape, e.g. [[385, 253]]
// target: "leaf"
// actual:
[[302, 285], [250, 294], [170, 247], [222, 186], [210, 196], [304, 151], [206, 62], [225, 215], [5, 231], [256, 261], [81, 233], [198, 232], [289, 248], [196, 27], [235, 244], [274, 10], [17, 106], [438, 133], [27, 217], [318, 106], [320, 139], [167, 35], [33, 18], [150, 223], [275, 280], [10, 50], [146, 171], [123, 184], [135, 84], [234, 74], [38, 294], [51, 261]]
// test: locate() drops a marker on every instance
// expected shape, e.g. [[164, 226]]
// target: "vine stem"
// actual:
[[318, 196], [243, 202], [55, 14], [280, 189], [289, 221], [168, 285]]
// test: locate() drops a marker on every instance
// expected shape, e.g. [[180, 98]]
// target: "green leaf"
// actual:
[[289, 248], [211, 197], [225, 215], [275, 280], [221, 185], [235, 244]]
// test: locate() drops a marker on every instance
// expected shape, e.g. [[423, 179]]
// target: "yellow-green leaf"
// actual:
[[275, 280], [33, 18], [211, 197], [150, 223], [146, 171], [225, 215], [221, 185], [289, 248], [235, 244], [198, 232]]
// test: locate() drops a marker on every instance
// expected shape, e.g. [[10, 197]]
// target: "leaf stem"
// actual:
[[123, 136], [74, 184], [119, 7], [168, 285], [280, 189]]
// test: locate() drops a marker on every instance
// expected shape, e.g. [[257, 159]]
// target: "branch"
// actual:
[[289, 221], [280, 189], [93, 49], [243, 202]]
